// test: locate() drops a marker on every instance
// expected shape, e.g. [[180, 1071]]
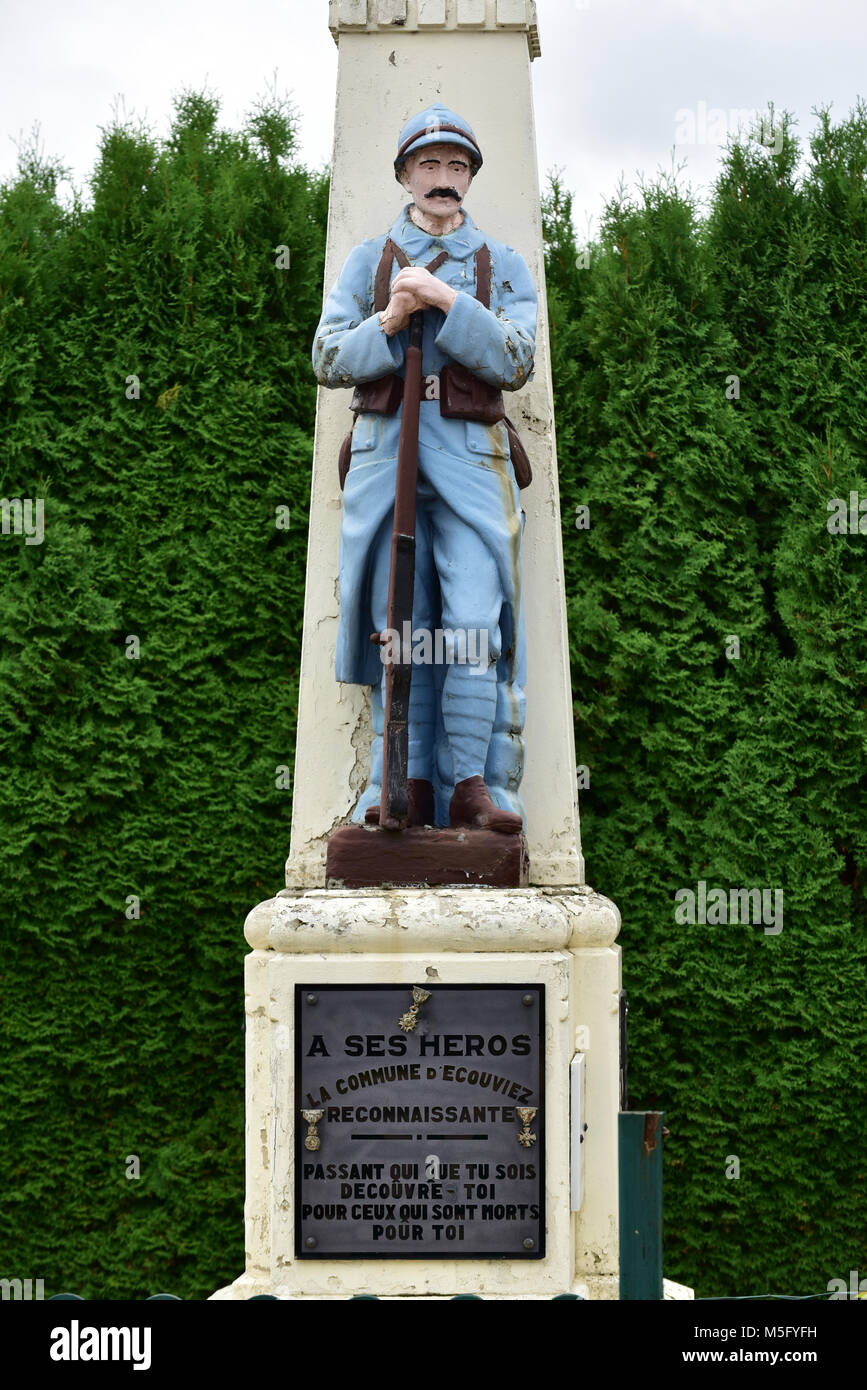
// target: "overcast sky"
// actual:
[[621, 88]]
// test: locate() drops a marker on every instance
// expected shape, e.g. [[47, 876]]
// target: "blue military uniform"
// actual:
[[465, 720]]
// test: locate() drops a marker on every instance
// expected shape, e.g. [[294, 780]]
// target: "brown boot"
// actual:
[[471, 806], [420, 804]]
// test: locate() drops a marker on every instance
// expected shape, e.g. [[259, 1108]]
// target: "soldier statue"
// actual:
[[478, 300]]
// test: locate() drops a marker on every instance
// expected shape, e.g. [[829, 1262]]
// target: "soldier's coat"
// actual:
[[466, 463]]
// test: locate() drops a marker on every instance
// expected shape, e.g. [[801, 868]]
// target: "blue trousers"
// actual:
[[457, 589], [466, 718]]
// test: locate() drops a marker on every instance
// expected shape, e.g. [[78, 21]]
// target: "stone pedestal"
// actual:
[[561, 939]]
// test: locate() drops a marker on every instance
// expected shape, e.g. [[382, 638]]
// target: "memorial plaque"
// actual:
[[419, 1121]]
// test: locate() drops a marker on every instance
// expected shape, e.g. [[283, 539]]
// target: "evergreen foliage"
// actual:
[[156, 391], [709, 520]]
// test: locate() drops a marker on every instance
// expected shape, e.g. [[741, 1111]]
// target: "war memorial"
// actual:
[[433, 1000]]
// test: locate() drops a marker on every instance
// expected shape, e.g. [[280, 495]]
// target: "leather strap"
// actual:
[[382, 283], [483, 276]]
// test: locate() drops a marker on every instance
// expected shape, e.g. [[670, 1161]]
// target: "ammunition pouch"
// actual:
[[464, 396], [381, 397]]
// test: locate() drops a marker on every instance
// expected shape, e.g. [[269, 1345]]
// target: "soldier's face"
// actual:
[[438, 177]]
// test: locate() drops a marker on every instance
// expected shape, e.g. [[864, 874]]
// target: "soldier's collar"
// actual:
[[420, 245]]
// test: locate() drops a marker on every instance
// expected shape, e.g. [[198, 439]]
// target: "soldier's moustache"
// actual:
[[445, 193]]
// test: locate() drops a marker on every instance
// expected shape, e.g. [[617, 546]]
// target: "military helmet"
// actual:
[[436, 125]]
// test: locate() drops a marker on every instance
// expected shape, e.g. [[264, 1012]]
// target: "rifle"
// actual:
[[401, 583]]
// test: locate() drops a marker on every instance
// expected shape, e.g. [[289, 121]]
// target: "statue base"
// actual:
[[362, 856], [320, 961]]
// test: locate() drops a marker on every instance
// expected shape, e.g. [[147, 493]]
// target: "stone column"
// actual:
[[395, 57]]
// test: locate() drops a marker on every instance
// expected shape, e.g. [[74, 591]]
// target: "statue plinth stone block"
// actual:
[[559, 941]]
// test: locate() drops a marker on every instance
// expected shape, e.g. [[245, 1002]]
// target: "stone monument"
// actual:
[[433, 1072]]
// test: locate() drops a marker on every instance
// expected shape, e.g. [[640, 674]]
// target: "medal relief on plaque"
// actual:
[[419, 1121]]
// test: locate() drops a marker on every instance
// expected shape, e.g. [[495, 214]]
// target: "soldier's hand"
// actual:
[[396, 316], [430, 292]]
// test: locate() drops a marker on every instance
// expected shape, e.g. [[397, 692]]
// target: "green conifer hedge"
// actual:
[[156, 392], [711, 401]]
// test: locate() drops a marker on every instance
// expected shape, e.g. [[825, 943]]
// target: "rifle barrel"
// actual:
[[395, 743]]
